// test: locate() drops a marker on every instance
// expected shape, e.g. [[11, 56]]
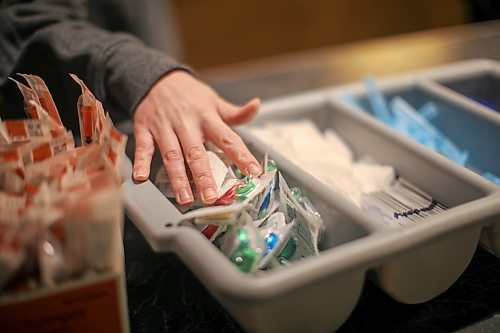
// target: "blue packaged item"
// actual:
[[377, 101]]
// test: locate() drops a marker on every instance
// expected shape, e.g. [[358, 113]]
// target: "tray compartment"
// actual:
[[470, 127]]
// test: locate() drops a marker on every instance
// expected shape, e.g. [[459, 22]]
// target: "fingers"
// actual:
[[232, 145], [144, 148], [235, 115], [191, 138], [197, 159], [173, 161]]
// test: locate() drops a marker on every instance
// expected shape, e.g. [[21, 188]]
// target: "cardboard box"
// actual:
[[94, 303]]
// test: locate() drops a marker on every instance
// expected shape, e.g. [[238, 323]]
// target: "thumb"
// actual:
[[236, 115]]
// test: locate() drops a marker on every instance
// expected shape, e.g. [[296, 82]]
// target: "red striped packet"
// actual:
[[90, 114], [44, 97], [28, 95]]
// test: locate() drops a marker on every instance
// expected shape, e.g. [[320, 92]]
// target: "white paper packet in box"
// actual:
[[96, 223]]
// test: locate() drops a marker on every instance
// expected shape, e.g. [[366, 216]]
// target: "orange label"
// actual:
[[10, 155], [42, 152], [16, 128], [92, 308], [87, 120]]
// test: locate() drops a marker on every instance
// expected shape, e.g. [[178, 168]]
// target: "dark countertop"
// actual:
[[164, 296]]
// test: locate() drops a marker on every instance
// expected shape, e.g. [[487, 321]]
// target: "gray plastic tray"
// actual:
[[412, 264]]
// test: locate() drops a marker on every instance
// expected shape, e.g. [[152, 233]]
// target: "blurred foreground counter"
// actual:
[[164, 296]]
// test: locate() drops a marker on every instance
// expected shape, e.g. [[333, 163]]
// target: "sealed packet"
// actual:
[[90, 114], [307, 226], [29, 95], [44, 97], [242, 244], [4, 135], [11, 171]]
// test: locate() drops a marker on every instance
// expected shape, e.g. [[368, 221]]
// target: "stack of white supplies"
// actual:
[[327, 157]]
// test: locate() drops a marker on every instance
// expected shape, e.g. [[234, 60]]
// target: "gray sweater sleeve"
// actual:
[[53, 38]]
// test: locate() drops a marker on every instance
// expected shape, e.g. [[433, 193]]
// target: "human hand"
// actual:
[[178, 114]]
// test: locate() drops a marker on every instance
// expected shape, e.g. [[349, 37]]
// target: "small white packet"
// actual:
[[307, 227]]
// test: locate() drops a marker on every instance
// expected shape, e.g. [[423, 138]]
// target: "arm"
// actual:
[[56, 34], [171, 108]]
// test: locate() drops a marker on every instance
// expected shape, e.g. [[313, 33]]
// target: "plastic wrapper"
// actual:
[[4, 135], [279, 239], [90, 115], [44, 97], [307, 224], [29, 95], [242, 244]]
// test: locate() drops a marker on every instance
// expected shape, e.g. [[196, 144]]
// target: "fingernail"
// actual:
[[209, 194], [140, 173], [185, 196], [255, 169]]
